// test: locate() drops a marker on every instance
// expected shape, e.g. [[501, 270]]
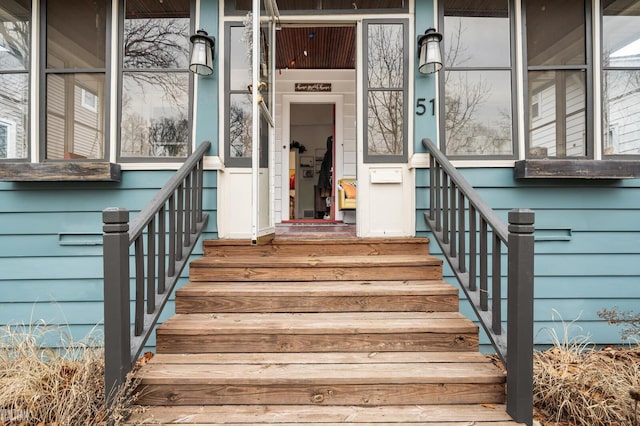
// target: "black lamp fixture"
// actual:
[[204, 47], [430, 60]]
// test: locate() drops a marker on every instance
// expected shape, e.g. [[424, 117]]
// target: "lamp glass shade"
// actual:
[[202, 54], [201, 60], [430, 57]]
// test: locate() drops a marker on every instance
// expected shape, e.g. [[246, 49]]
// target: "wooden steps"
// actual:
[[318, 296], [318, 268], [316, 332], [313, 332], [326, 415], [294, 379], [319, 247]]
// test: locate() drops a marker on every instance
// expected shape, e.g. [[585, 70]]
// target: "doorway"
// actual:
[[311, 160], [315, 91]]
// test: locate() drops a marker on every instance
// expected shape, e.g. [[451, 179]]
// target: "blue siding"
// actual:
[[51, 249], [424, 85], [587, 255]]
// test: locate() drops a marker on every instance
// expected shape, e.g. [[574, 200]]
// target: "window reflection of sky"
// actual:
[[631, 49], [239, 76], [483, 42], [621, 40]]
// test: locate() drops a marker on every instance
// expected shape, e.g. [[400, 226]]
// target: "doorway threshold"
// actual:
[[317, 228]]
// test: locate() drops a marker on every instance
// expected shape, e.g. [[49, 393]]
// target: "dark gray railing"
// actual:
[[458, 216], [170, 225]]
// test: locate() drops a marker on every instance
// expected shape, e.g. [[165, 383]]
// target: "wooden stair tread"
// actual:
[[319, 358], [320, 374], [305, 241], [318, 323], [451, 415], [313, 288], [316, 261]]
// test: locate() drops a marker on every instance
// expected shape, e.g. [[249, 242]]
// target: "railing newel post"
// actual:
[[117, 315], [520, 315]]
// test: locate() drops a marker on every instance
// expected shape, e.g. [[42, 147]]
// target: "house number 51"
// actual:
[[421, 108]]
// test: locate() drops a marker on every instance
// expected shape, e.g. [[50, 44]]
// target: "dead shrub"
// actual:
[[46, 378], [578, 384]]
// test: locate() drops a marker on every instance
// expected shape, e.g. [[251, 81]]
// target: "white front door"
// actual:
[[263, 67]]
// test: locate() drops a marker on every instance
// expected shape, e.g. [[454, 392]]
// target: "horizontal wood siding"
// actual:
[[587, 255], [51, 247]]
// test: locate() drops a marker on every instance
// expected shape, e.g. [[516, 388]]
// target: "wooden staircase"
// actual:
[[354, 331]]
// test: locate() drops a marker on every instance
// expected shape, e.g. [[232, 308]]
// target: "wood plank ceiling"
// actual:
[[325, 47]]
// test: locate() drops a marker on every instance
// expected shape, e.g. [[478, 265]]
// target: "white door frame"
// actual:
[[316, 98]]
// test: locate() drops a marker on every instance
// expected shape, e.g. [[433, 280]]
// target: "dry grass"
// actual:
[[44, 386], [577, 384]]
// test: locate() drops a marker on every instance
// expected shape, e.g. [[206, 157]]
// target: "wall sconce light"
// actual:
[[204, 47], [430, 60]]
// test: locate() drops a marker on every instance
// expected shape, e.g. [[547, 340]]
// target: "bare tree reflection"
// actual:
[[385, 76], [156, 52], [156, 43], [166, 137], [240, 122], [462, 98], [14, 38]]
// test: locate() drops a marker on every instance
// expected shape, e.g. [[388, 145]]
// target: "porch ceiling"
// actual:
[[326, 47]]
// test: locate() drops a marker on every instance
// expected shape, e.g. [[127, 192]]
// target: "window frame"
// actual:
[[385, 158], [240, 162], [512, 68], [44, 72], [589, 86], [120, 73]]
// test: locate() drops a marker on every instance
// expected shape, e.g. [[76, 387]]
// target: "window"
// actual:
[[74, 58], [238, 112], [155, 82], [478, 79], [15, 39], [89, 100], [621, 77], [558, 78], [385, 77]]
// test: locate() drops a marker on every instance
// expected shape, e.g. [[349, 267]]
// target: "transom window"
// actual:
[[342, 6]]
